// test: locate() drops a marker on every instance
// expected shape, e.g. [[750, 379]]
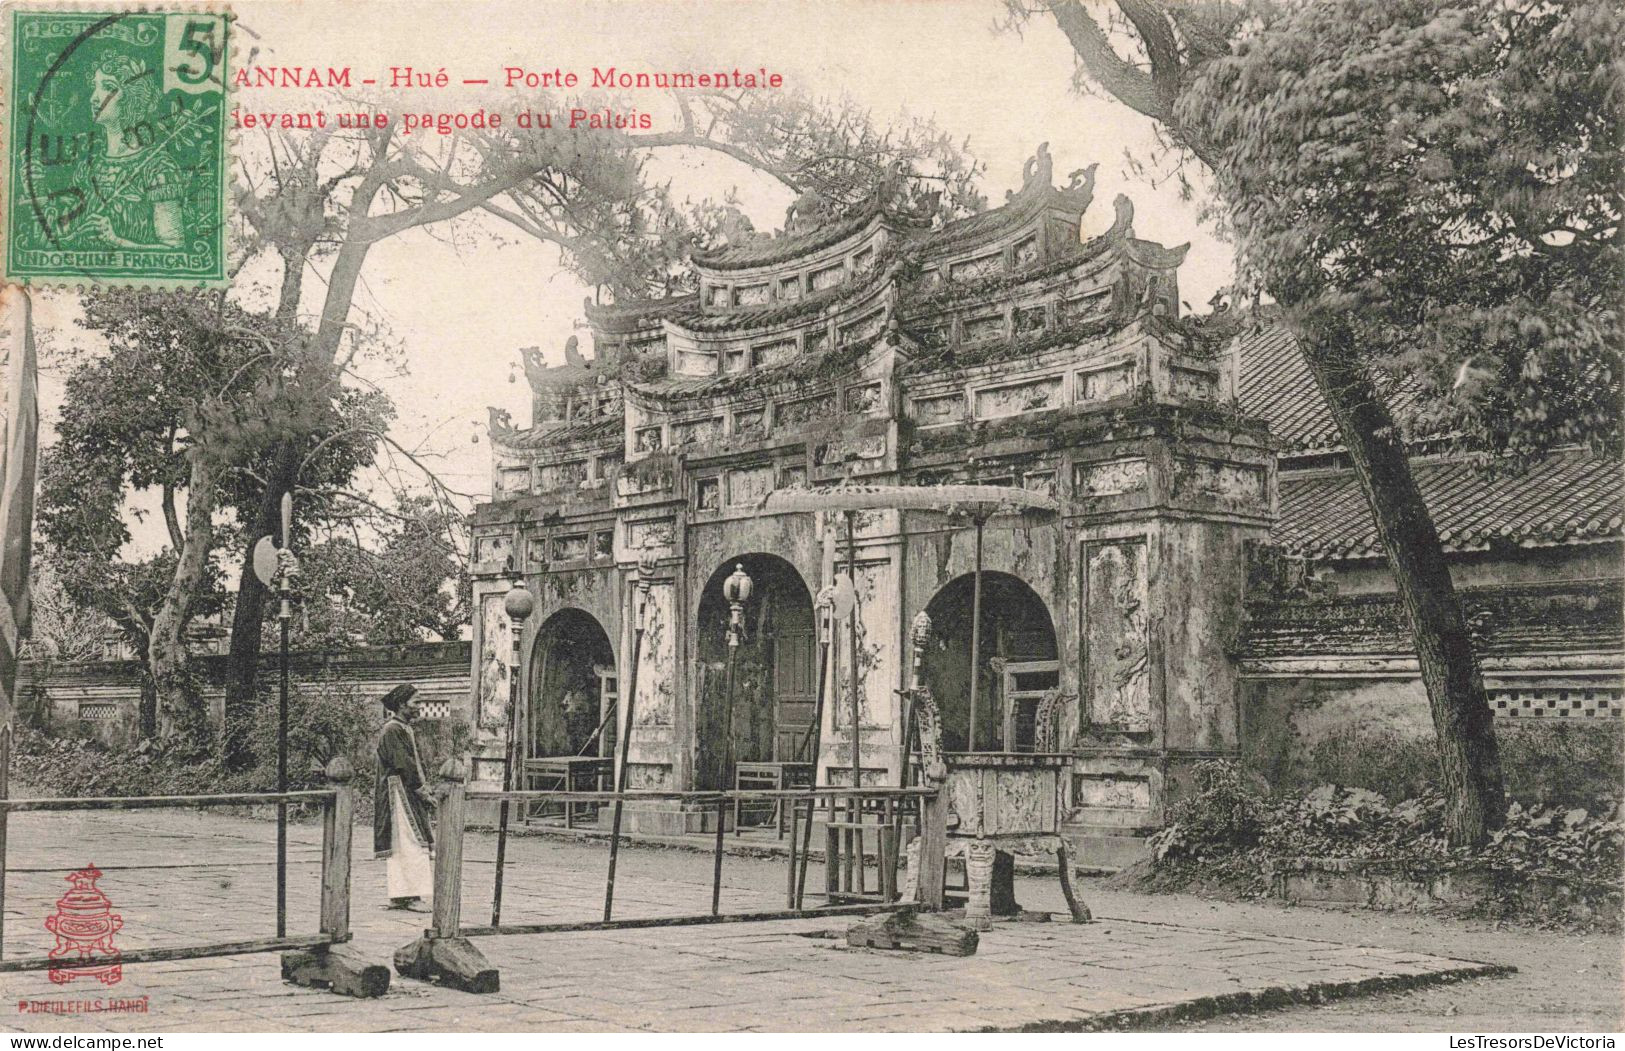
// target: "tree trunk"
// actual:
[[1469, 761], [248, 618], [178, 697], [147, 716]]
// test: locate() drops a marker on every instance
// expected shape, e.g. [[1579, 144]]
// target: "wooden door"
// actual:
[[795, 683]]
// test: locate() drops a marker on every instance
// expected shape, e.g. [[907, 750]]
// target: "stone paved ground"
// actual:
[[183, 877]]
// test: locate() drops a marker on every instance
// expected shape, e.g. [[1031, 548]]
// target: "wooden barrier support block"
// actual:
[[914, 931], [335, 968], [452, 962]]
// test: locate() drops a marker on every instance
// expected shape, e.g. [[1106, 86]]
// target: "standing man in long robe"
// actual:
[[400, 809]]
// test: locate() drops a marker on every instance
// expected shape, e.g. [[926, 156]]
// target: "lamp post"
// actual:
[[736, 590], [518, 605], [647, 561], [286, 567]]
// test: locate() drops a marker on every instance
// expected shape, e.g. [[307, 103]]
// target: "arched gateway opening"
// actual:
[[572, 687], [768, 716], [1018, 662]]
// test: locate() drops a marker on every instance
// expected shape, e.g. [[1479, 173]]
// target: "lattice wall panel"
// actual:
[[98, 711], [434, 709], [1558, 702]]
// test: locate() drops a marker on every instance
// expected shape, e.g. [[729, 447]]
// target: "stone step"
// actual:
[[1104, 848]]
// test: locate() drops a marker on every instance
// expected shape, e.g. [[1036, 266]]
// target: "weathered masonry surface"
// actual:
[[868, 347]]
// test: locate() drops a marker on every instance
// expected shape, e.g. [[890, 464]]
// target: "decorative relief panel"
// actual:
[[641, 534], [795, 413], [1231, 482], [949, 408], [748, 485], [1111, 790], [864, 327], [935, 335], [981, 329], [750, 423], [1100, 384], [971, 269], [1085, 308], [790, 288], [767, 355], [536, 552], [566, 475], [695, 432], [863, 399], [1109, 478], [646, 439], [491, 704], [1116, 635], [696, 363], [751, 295], [515, 479], [1029, 320], [492, 548], [1039, 482], [795, 475], [571, 548], [816, 339], [1022, 397], [1195, 383], [603, 545], [1027, 251], [862, 452], [828, 277], [863, 261], [708, 494]]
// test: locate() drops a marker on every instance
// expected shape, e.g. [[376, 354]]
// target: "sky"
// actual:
[[457, 315]]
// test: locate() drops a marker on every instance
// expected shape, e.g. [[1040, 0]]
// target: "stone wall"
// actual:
[[103, 698]]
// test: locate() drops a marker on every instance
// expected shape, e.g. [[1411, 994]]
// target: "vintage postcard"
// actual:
[[999, 516]]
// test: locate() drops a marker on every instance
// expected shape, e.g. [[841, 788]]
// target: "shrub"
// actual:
[[1567, 764], [1225, 833]]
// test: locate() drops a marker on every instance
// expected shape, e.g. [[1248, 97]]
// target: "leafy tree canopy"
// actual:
[[1443, 176]]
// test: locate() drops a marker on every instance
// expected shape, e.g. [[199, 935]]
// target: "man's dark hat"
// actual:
[[398, 696]]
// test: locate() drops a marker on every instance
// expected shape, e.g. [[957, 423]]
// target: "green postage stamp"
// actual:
[[116, 146]]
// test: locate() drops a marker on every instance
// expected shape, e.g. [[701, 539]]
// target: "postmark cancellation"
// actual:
[[116, 148]]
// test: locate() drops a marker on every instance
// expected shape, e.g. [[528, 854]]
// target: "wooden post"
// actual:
[[790, 874], [442, 954], [5, 815], [716, 864], [338, 827], [336, 967], [933, 848], [448, 858]]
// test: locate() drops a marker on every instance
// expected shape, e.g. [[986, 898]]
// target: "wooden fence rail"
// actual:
[[444, 953], [320, 959]]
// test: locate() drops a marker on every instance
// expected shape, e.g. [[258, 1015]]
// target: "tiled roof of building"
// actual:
[[1565, 498], [1275, 384], [764, 251], [562, 432], [1560, 617]]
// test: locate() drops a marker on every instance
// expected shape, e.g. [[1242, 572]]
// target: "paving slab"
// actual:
[[794, 975]]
